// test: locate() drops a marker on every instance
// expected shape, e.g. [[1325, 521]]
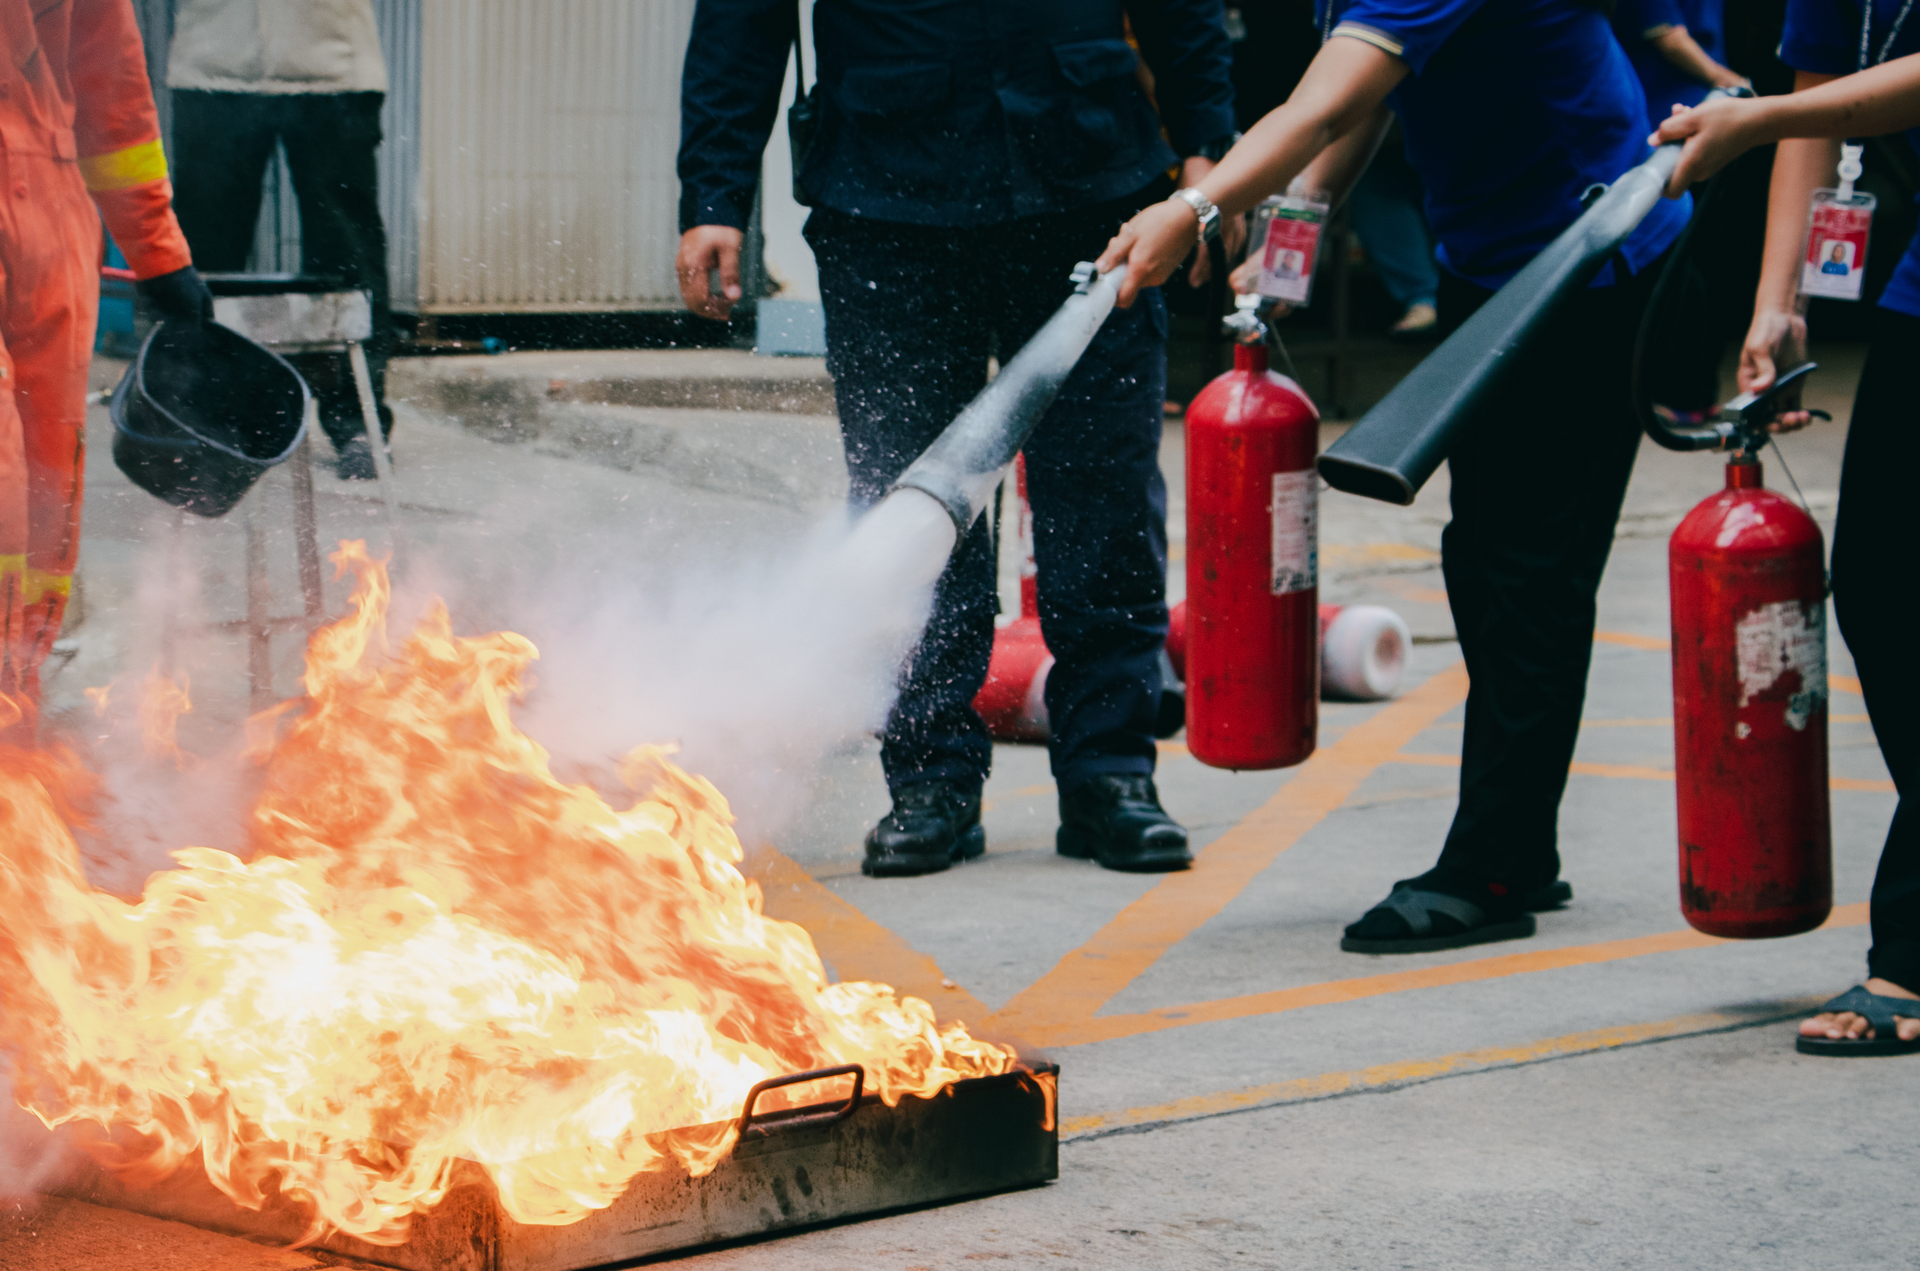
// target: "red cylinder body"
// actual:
[[1748, 574], [1253, 625], [1013, 700]]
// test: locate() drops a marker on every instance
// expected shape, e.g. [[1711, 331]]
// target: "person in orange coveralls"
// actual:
[[73, 88]]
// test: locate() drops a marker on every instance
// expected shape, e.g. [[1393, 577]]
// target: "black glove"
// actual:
[[181, 294]]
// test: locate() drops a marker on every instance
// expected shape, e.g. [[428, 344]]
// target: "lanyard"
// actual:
[[1326, 23], [1866, 28]]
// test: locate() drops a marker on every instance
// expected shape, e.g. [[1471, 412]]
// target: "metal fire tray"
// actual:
[[790, 1169]]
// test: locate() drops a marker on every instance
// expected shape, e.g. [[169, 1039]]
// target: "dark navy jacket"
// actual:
[[952, 112]]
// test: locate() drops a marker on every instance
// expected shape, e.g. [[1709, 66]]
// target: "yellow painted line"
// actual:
[[1180, 904], [1412, 591], [1633, 772], [1339, 555], [1630, 641], [858, 947], [1413, 1071], [1278, 1001], [1845, 683]]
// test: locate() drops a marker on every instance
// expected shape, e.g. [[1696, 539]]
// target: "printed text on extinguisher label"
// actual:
[[1296, 531], [1780, 639]]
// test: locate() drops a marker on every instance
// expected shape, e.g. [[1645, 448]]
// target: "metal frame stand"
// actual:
[[295, 322]]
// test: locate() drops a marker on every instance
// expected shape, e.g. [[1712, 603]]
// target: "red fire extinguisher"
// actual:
[[1252, 640], [1013, 701], [1749, 589]]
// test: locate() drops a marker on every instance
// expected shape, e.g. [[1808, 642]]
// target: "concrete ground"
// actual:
[[1616, 1091]]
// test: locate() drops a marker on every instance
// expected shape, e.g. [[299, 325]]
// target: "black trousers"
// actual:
[[222, 143], [1874, 599], [1537, 486], [913, 313]]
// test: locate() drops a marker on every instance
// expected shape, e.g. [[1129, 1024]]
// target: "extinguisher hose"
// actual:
[[1670, 433]]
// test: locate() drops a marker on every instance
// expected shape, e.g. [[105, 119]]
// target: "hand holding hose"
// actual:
[[1711, 135], [1151, 246]]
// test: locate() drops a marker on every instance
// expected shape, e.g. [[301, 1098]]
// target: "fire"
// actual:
[[438, 950]]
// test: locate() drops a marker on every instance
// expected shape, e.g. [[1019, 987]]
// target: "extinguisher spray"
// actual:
[[1749, 593], [1252, 639]]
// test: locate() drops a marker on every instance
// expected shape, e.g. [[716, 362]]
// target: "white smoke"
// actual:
[[757, 670]]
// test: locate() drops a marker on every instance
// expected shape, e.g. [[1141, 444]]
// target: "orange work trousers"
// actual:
[[49, 302]]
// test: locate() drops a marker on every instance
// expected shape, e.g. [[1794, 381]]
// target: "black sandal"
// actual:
[[1878, 1011], [1411, 914]]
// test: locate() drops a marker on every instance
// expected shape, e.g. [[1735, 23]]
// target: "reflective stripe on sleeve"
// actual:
[[123, 169], [1379, 39], [38, 584]]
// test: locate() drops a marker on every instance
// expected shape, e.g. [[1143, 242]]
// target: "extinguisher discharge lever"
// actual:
[[1744, 421]]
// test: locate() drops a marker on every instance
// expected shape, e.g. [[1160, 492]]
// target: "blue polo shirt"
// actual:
[[1823, 36], [1666, 85], [1513, 110]]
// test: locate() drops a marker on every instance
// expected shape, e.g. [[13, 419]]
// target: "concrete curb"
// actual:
[[504, 395]]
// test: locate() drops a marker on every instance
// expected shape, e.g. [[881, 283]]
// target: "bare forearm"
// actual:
[[1341, 165], [1800, 166], [1881, 99], [1343, 91], [1684, 52]]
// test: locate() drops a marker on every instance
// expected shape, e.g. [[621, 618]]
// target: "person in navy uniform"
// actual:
[[1678, 49], [1512, 110], [968, 154], [1856, 74]]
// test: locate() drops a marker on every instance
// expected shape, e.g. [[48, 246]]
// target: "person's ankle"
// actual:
[[1887, 988]]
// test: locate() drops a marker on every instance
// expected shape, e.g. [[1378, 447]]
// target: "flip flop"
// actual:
[[1879, 1012], [1554, 895], [1417, 910]]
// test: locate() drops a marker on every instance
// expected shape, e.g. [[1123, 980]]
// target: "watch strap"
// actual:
[[1204, 212]]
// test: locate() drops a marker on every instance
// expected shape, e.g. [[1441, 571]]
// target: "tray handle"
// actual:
[[838, 1112]]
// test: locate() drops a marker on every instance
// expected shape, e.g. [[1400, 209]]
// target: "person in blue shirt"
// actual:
[[1678, 49], [1512, 110], [968, 154], [1841, 92]]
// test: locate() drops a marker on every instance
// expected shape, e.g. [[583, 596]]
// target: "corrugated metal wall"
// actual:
[[547, 138], [399, 156]]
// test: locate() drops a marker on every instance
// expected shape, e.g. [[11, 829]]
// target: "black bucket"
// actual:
[[202, 413]]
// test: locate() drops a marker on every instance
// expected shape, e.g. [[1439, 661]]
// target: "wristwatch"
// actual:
[[1204, 209]]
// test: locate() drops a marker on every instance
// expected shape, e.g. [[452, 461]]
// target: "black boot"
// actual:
[[1117, 820], [932, 825]]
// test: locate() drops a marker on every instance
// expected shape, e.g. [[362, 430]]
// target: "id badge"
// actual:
[[1292, 244], [1836, 254]]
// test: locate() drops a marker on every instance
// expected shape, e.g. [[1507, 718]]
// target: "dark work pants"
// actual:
[[913, 313], [1537, 485], [1873, 596], [222, 143]]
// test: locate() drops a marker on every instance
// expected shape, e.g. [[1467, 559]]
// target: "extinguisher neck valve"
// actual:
[[1246, 324], [1744, 472]]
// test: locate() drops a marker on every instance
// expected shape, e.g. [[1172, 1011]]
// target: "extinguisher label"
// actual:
[[1789, 637], [1296, 531]]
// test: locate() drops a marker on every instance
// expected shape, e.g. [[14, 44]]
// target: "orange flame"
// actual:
[[438, 951], [161, 706]]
